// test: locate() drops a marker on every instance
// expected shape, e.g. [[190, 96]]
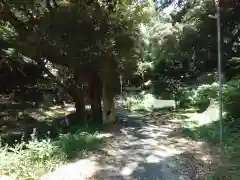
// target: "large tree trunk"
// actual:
[[109, 111], [95, 90], [109, 82], [79, 104], [78, 96]]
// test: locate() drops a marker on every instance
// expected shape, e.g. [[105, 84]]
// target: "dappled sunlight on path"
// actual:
[[139, 149], [147, 152]]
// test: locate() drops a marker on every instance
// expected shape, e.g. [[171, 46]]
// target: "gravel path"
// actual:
[[139, 150]]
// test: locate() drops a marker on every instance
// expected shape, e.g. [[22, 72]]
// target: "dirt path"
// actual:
[[141, 149]]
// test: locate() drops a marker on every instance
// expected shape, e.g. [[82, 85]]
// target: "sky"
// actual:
[[169, 9]]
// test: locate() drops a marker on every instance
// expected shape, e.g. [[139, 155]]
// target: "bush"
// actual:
[[198, 97], [231, 99], [35, 158], [20, 163]]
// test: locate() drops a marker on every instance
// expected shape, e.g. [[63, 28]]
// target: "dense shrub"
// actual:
[[231, 99], [35, 158], [198, 97]]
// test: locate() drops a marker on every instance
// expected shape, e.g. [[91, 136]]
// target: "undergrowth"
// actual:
[[29, 161], [199, 97]]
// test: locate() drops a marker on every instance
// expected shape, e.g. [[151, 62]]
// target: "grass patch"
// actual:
[[73, 145], [29, 161], [209, 132], [34, 141]]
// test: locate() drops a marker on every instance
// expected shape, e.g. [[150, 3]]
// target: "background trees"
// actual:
[[183, 44]]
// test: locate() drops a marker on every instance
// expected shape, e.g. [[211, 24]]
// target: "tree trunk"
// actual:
[[110, 86], [79, 104], [78, 99], [95, 90], [78, 96], [109, 111]]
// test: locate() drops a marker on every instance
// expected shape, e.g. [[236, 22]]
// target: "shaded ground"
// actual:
[[146, 151], [19, 120], [142, 149], [227, 152]]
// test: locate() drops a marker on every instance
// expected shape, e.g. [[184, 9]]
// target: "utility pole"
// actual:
[[219, 71], [121, 86], [224, 4], [219, 4]]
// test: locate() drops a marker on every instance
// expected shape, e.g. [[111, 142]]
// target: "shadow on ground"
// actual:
[[144, 151], [71, 141], [228, 151], [156, 167], [20, 121], [139, 148], [140, 151]]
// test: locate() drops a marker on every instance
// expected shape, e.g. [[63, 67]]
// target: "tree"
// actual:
[[183, 45], [85, 41]]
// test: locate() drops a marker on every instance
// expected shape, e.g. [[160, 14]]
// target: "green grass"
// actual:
[[29, 161], [33, 141]]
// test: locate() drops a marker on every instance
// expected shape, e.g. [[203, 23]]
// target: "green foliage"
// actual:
[[71, 43], [35, 158], [133, 101], [18, 163], [183, 46], [72, 145], [209, 132], [199, 97], [231, 100]]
